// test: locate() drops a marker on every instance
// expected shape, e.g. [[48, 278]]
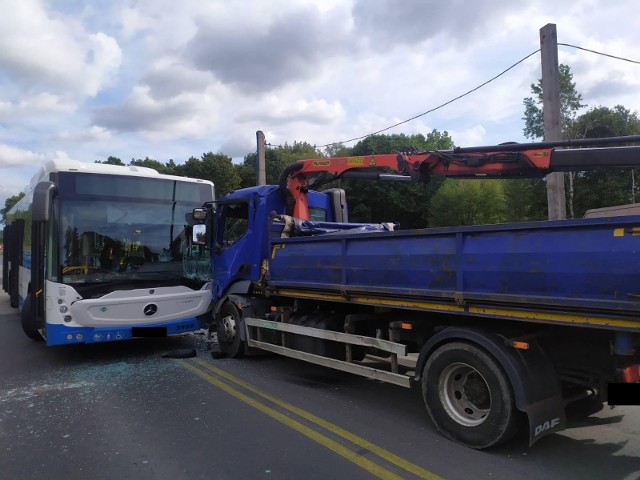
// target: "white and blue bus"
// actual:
[[97, 252]]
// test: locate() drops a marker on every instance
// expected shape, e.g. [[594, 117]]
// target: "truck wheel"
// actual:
[[469, 397], [228, 330], [28, 321]]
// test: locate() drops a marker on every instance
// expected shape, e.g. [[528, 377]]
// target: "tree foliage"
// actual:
[[276, 159], [605, 188], [584, 190], [166, 169], [603, 122], [441, 202], [525, 200], [217, 168], [404, 202], [8, 205], [570, 104], [112, 161], [468, 202]]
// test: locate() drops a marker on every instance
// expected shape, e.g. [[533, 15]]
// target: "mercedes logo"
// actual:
[[150, 309]]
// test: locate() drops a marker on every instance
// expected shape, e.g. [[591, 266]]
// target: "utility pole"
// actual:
[[261, 173], [556, 200]]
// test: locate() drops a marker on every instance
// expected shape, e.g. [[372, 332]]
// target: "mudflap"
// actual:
[[536, 386], [545, 416]]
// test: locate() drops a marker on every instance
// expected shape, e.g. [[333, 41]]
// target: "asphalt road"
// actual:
[[121, 410]]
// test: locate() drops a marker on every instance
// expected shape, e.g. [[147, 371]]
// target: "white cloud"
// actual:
[[13, 156], [134, 21], [91, 134], [276, 110], [169, 79], [45, 50], [470, 136]]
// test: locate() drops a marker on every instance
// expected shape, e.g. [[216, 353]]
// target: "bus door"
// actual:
[[16, 239]]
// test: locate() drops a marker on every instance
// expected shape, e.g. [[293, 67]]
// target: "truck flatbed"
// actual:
[[567, 272]]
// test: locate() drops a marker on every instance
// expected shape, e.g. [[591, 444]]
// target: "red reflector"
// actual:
[[631, 374], [406, 326], [520, 345]]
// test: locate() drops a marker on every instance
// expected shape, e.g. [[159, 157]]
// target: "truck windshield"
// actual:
[[140, 232]]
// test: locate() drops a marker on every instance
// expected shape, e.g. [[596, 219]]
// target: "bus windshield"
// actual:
[[110, 231]]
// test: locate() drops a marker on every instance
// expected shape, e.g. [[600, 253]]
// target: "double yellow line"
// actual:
[[214, 376]]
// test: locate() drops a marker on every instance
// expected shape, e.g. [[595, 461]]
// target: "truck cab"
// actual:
[[243, 224]]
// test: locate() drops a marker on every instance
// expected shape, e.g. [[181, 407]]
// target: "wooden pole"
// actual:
[[261, 173], [556, 200]]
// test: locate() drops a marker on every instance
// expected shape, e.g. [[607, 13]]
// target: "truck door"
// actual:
[[232, 245]]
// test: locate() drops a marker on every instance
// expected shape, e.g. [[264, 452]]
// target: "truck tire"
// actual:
[[469, 397], [228, 328], [28, 321]]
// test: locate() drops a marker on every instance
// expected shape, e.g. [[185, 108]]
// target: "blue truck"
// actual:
[[507, 325]]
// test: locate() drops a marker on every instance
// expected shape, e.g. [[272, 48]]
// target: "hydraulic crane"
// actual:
[[511, 160]]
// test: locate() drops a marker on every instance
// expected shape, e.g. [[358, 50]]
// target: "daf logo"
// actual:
[[150, 309]]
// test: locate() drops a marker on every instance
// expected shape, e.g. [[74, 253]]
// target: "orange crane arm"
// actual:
[[500, 161]]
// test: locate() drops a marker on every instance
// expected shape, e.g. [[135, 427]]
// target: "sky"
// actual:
[[162, 79]]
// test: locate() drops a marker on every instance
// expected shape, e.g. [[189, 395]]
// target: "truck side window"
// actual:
[[236, 222]]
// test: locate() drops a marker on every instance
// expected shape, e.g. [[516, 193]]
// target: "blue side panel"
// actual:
[[591, 263], [63, 335]]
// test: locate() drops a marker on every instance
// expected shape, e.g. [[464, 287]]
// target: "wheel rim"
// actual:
[[464, 394], [227, 329]]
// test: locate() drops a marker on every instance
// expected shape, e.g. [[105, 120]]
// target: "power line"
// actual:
[[599, 53], [438, 107], [471, 91]]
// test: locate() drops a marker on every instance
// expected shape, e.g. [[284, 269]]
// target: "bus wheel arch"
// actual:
[[28, 320]]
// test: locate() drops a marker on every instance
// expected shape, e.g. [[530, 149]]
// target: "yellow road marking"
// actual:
[[356, 440], [332, 445]]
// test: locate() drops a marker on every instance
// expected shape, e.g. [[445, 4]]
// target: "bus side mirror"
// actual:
[[42, 198]]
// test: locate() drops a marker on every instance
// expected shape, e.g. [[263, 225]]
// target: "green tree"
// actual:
[[8, 205], [404, 202], [276, 159], [468, 202], [525, 200], [112, 161], [337, 150], [601, 122], [570, 104], [605, 188], [166, 169], [217, 168]]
